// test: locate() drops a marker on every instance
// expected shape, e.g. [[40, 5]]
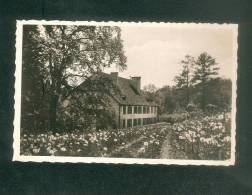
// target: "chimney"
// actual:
[[136, 81], [114, 76]]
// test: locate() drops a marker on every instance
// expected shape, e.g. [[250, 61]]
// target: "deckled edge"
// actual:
[[67, 159]]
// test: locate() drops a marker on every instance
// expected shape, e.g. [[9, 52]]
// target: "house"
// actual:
[[130, 105]]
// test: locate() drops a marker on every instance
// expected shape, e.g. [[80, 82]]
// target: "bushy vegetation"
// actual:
[[56, 59], [205, 137], [99, 143], [174, 117]]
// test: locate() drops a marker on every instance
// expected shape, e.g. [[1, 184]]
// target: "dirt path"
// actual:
[[126, 147], [168, 151], [166, 148]]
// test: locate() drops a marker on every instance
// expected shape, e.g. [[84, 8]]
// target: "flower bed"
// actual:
[[203, 138], [98, 143], [150, 145]]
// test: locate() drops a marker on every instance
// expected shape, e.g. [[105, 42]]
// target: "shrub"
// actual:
[[174, 118], [191, 107], [93, 143], [203, 138]]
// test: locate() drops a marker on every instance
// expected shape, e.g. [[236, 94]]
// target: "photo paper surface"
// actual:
[[122, 92]]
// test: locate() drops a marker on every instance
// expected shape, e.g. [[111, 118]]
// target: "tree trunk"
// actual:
[[187, 95], [53, 112], [203, 97]]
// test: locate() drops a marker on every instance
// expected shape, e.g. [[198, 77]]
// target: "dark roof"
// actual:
[[128, 95]]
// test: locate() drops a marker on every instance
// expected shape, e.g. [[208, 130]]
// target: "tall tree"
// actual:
[[205, 68], [184, 79], [33, 88], [150, 92], [70, 54]]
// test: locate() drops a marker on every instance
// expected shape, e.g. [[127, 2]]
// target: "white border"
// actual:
[[17, 106]]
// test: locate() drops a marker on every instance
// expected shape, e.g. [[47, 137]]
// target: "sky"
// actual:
[[154, 52]]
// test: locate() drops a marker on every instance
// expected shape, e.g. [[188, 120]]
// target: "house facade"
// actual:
[[130, 105]]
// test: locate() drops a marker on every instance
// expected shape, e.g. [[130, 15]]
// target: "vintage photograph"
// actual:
[[118, 92]]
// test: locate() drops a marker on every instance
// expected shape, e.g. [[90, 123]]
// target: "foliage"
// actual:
[[205, 67], [150, 92], [99, 143], [219, 93], [34, 99], [205, 138], [166, 99], [184, 79], [197, 85], [174, 118], [65, 56]]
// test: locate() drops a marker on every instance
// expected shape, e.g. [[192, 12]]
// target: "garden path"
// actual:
[[169, 152], [126, 147]]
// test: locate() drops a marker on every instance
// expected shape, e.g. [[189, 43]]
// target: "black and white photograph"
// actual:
[[121, 92]]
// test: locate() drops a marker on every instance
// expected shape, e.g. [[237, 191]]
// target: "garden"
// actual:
[[101, 143], [205, 137]]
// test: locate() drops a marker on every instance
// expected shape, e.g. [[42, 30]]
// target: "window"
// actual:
[[123, 123], [139, 109], [129, 109], [124, 110], [139, 121], [144, 121], [135, 109], [151, 109], [135, 122], [129, 123], [148, 110], [144, 109]]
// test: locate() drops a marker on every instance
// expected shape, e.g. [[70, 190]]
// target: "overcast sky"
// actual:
[[154, 53]]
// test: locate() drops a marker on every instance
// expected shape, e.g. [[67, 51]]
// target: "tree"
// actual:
[[184, 79], [150, 92], [68, 55], [166, 99], [205, 67], [33, 97], [220, 93]]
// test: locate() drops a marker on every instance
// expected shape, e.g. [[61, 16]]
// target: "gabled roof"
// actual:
[[128, 95]]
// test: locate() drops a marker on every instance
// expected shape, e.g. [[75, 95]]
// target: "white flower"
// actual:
[[105, 148], [51, 152], [63, 149], [36, 150], [115, 140], [220, 117], [227, 139], [146, 143]]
